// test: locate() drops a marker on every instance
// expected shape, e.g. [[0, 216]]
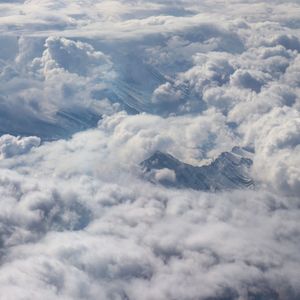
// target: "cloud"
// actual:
[[45, 88], [73, 57], [245, 79], [166, 93], [277, 145], [187, 138], [11, 146], [89, 90], [84, 234]]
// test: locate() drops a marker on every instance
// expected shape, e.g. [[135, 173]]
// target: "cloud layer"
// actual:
[[82, 226], [89, 90]]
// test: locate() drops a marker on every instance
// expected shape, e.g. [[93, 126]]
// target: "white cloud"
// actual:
[[277, 137], [73, 57], [11, 146], [165, 175], [78, 220], [80, 232], [165, 93], [51, 83]]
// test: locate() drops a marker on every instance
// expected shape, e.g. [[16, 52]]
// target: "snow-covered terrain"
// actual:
[[228, 171], [149, 150]]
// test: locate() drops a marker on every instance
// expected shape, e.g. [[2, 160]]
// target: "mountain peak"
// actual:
[[230, 170]]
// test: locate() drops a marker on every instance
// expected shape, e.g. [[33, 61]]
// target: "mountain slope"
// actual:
[[229, 171]]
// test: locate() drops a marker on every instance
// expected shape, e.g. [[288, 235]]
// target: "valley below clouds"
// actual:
[[150, 150]]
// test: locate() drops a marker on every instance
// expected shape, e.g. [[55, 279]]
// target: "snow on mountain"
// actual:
[[230, 170]]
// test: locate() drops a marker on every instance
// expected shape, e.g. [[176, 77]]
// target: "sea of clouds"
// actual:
[[91, 88]]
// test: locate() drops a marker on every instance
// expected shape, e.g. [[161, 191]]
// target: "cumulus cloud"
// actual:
[[277, 141], [165, 175], [166, 93], [11, 146], [53, 87], [90, 89], [80, 232], [73, 57]]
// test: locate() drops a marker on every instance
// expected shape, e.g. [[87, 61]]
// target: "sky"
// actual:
[[88, 90]]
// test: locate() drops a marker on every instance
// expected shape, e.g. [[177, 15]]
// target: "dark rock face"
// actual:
[[229, 171]]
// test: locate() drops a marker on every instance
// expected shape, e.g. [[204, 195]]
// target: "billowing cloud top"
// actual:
[[90, 89]]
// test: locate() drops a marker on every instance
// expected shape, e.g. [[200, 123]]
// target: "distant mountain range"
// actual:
[[230, 170]]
